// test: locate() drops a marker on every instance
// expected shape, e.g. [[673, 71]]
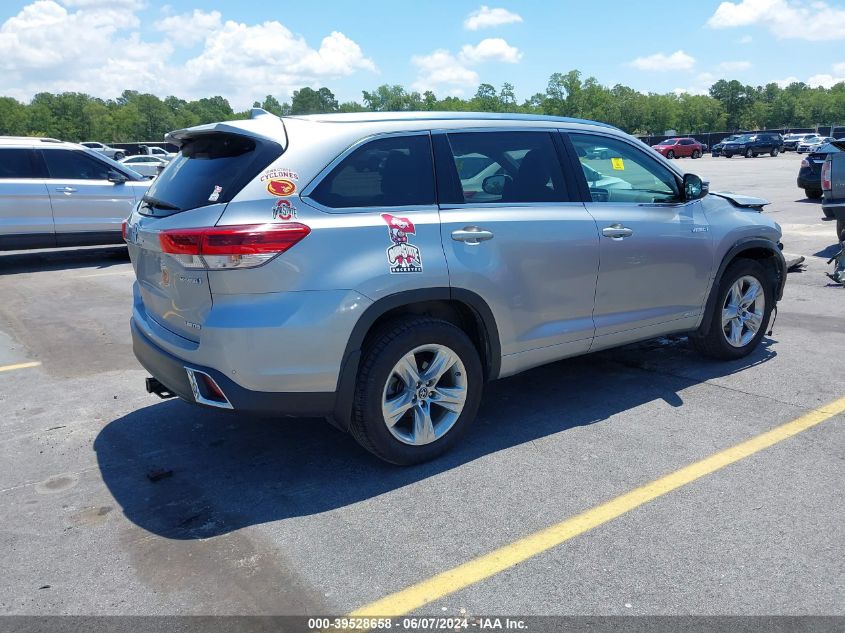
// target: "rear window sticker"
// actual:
[[215, 194]]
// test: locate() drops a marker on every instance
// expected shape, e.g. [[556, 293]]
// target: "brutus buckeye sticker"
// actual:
[[402, 256]]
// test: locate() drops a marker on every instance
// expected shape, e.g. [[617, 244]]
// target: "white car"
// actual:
[[149, 166], [152, 150], [105, 150], [812, 143]]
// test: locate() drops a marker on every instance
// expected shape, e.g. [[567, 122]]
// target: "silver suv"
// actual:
[[378, 269], [62, 194]]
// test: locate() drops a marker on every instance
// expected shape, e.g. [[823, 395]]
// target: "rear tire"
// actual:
[[775, 152], [827, 213], [670, 154], [430, 412], [813, 194], [696, 154], [119, 155], [840, 230], [736, 327]]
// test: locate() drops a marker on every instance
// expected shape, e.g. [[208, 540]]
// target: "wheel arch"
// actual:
[[764, 251], [462, 307]]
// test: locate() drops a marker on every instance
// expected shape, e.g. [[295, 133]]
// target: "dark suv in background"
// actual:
[[810, 173], [749, 145]]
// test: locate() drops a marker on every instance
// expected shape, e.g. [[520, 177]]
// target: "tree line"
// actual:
[[729, 106]]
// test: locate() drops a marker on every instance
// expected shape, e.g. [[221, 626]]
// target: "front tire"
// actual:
[[418, 389], [740, 314], [696, 154], [670, 154], [119, 156], [749, 153]]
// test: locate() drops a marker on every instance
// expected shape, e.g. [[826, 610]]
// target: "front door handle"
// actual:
[[471, 235], [66, 189], [617, 231]]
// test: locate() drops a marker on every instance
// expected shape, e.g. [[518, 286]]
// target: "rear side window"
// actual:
[[519, 167], [389, 172], [17, 163], [67, 164], [209, 169]]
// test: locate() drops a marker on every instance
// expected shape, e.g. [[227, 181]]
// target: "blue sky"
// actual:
[[246, 49]]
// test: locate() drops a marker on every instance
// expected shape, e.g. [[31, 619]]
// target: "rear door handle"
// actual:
[[617, 231], [66, 189], [471, 235]]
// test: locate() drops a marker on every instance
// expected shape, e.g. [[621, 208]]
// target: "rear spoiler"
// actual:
[[260, 125]]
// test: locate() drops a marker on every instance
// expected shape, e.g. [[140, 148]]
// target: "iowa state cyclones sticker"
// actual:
[[281, 187], [402, 256]]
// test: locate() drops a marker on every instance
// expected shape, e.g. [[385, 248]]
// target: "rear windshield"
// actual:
[[209, 169]]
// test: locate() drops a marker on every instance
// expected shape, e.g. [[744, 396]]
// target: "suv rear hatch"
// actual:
[[214, 163]]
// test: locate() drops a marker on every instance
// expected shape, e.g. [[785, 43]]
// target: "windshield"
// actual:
[[209, 169], [669, 141]]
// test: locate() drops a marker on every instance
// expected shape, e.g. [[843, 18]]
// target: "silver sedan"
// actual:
[[149, 166]]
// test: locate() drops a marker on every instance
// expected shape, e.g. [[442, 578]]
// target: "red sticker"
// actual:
[[402, 256], [281, 187]]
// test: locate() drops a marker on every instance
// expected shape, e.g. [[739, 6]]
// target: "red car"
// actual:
[[680, 147]]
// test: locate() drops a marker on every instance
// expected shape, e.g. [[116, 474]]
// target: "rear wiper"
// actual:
[[159, 204]]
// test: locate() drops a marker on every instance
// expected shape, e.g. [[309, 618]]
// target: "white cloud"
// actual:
[[783, 83], [678, 60], [102, 53], [440, 70], [734, 67], [746, 39], [786, 19], [485, 17], [190, 28], [824, 80], [839, 68], [490, 49]]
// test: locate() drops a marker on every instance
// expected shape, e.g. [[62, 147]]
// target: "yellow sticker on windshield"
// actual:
[[618, 164]]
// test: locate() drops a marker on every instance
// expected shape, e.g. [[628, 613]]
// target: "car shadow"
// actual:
[[829, 251], [100, 257], [816, 201], [182, 472]]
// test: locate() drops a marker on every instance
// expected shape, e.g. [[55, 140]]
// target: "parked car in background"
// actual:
[[716, 150], [833, 186], [62, 194], [810, 144], [680, 148], [333, 265], [810, 173], [153, 150], [105, 150], [791, 141], [752, 145], [149, 166]]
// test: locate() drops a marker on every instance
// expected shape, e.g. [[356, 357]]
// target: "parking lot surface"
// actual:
[[115, 502]]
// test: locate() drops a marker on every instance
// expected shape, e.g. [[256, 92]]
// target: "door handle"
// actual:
[[617, 231], [66, 189], [471, 235]]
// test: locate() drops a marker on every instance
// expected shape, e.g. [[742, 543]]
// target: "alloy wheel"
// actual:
[[743, 310], [424, 394]]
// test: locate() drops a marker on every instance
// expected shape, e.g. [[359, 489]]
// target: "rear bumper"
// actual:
[[171, 372]]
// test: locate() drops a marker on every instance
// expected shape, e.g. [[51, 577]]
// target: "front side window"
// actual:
[[64, 164], [16, 163], [626, 175], [389, 172], [515, 167]]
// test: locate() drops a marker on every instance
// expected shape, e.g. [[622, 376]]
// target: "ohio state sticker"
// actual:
[[402, 256], [281, 187], [283, 210]]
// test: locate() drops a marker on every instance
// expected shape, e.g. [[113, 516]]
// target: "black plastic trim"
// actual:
[[27, 241], [170, 372], [737, 249], [352, 355]]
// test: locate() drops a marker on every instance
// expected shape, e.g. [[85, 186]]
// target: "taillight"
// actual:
[[826, 175], [226, 247], [805, 162], [123, 230]]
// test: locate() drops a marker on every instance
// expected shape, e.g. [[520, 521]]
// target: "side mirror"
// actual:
[[494, 185], [117, 178], [694, 187]]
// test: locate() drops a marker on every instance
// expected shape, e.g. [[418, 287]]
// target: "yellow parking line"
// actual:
[[20, 366], [476, 570]]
